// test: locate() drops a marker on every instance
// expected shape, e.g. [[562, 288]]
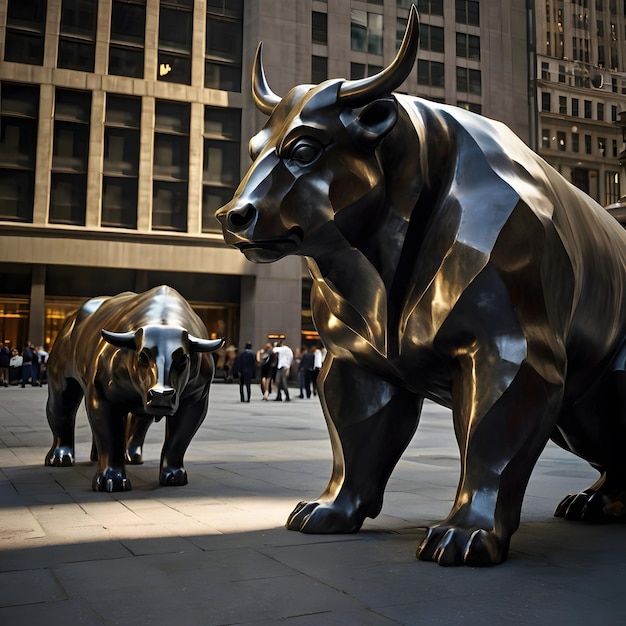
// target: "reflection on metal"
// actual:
[[449, 262], [134, 358]]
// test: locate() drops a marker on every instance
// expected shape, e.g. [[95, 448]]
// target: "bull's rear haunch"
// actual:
[[449, 262], [134, 358]]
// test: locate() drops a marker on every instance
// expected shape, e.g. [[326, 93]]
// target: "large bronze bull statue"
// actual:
[[134, 358], [449, 262]]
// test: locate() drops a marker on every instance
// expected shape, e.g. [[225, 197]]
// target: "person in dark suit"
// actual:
[[244, 366]]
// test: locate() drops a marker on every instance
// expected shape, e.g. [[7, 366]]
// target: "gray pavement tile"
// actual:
[[30, 587], [74, 612]]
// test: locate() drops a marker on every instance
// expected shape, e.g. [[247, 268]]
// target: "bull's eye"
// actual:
[[180, 363], [144, 359], [306, 151]]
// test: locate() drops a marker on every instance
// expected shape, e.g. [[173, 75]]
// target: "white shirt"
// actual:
[[285, 356], [319, 359]]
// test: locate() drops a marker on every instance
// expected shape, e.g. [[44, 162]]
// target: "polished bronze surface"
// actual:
[[134, 358], [449, 262]]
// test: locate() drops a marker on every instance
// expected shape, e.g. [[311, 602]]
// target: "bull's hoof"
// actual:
[[134, 456], [60, 457], [475, 547], [591, 506], [323, 518], [173, 477], [111, 480]]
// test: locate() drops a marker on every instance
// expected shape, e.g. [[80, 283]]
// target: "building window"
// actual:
[[562, 105], [600, 111], [19, 111], [70, 151], [171, 166], [545, 139], [319, 69], [611, 185], [470, 106], [77, 35], [121, 161], [575, 142], [575, 103], [587, 144], [587, 109], [175, 33], [128, 26], [467, 46], [222, 64], [319, 28], [361, 70], [467, 12], [25, 31], [220, 173], [430, 73], [560, 141], [434, 7], [468, 80], [431, 38], [602, 146], [545, 69], [366, 31]]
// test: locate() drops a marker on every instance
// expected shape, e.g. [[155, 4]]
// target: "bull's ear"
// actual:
[[131, 340], [374, 121], [204, 345]]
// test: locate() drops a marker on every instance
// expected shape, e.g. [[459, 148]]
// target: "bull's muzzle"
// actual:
[[162, 399]]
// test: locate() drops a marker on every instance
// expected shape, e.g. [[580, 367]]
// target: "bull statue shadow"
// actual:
[[449, 262], [134, 358]]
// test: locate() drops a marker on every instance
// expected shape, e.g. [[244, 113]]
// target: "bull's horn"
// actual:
[[130, 340], [364, 90], [264, 98], [204, 345]]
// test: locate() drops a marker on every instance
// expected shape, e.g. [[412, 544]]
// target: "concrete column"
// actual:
[[36, 319]]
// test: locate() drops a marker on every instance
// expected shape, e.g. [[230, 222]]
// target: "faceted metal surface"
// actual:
[[134, 358], [449, 262]]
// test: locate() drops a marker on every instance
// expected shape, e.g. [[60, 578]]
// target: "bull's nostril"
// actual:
[[241, 217]]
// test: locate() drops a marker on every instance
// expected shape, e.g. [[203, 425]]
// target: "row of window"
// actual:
[[26, 30], [576, 75], [571, 142], [574, 108], [121, 156]]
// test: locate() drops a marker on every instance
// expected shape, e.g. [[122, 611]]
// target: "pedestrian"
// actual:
[[318, 355], [285, 358], [5, 358], [29, 373], [266, 359], [307, 363], [15, 366], [43, 365], [243, 369]]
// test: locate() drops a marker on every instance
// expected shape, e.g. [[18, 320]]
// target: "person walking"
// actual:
[[243, 369], [307, 363], [5, 358], [28, 370], [285, 358], [266, 358]]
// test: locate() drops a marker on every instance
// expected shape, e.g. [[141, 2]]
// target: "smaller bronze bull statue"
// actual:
[[134, 358], [449, 262]]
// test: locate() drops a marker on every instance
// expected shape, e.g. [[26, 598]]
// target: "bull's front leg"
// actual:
[[370, 422], [501, 428], [108, 427], [179, 431]]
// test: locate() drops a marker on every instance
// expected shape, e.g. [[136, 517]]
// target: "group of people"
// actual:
[[25, 368], [276, 362]]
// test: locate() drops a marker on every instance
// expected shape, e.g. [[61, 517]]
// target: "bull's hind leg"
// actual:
[[596, 431], [500, 441], [61, 411], [179, 432], [370, 424]]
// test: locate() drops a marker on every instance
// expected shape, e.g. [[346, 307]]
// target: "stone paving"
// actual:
[[216, 552]]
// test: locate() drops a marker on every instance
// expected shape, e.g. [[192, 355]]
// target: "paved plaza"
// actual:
[[216, 552]]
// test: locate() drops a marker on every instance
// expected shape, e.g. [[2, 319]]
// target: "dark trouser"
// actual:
[[28, 373], [281, 382], [244, 383]]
